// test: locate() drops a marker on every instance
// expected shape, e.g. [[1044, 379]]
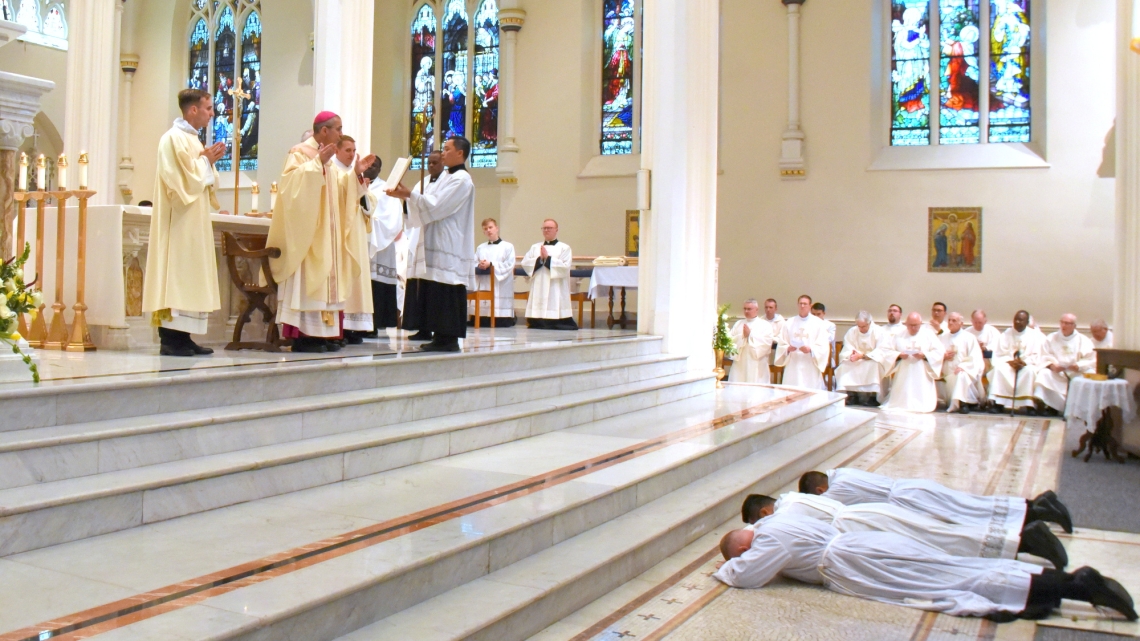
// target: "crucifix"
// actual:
[[235, 155]]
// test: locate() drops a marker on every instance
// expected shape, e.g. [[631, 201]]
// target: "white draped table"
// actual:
[[1087, 401], [605, 280]]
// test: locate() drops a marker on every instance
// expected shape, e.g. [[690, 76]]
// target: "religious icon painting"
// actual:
[[632, 232], [954, 240]]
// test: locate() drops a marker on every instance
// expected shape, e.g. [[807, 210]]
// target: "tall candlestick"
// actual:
[[254, 196], [62, 165], [273, 197], [41, 168], [83, 170], [23, 171]]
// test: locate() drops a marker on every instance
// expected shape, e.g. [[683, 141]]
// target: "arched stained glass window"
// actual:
[[46, 23], [199, 57], [453, 103], [251, 84], [423, 84], [54, 26], [225, 61], [485, 87], [617, 76], [960, 121], [1009, 71], [29, 15], [910, 72]]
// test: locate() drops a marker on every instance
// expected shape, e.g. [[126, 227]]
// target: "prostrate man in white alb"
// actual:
[[772, 315], [960, 386], [867, 357], [753, 337], [357, 253], [919, 363], [803, 348], [1068, 354], [181, 288], [1017, 358], [416, 264], [548, 265], [387, 229], [938, 318], [1101, 334], [895, 325], [447, 216], [498, 257]]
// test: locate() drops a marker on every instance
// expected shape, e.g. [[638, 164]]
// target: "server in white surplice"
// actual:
[[497, 256], [548, 266], [387, 228]]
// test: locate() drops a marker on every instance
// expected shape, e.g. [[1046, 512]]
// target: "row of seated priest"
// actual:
[[918, 365]]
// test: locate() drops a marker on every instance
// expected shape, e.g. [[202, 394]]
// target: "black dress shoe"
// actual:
[[963, 408], [420, 336], [199, 350], [333, 345], [852, 400], [1050, 497], [997, 409], [1104, 592], [441, 347], [354, 338], [308, 346], [1038, 540], [175, 350], [1041, 509]]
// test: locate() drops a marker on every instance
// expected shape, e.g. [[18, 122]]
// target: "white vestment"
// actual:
[[1105, 344], [777, 322], [881, 566], [988, 336], [800, 369], [895, 329], [1075, 349], [549, 286], [867, 373], [446, 216], [1030, 344], [961, 374], [358, 226], [501, 255], [387, 223], [416, 265], [913, 387], [750, 365]]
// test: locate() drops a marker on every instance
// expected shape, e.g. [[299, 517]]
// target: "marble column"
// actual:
[[1126, 310], [342, 65], [792, 141], [91, 92], [677, 282], [511, 19], [19, 104], [128, 63]]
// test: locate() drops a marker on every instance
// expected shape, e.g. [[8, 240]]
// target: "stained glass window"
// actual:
[[617, 76], [251, 84], [54, 26], [199, 57], [46, 23], [225, 61], [6, 11], [485, 87], [1009, 71], [910, 72], [29, 15], [958, 67], [423, 84], [453, 101]]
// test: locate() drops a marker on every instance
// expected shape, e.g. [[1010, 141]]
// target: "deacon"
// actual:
[[1017, 358], [1101, 334], [387, 229], [447, 216], [416, 265], [1068, 354], [960, 386], [547, 264], [895, 326], [753, 337], [498, 257], [181, 288], [895, 569], [357, 225], [920, 355], [867, 357], [313, 202], [803, 349]]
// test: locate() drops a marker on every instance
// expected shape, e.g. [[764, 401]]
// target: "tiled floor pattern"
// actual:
[[679, 600]]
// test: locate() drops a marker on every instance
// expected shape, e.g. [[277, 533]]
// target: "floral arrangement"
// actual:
[[721, 340], [17, 298]]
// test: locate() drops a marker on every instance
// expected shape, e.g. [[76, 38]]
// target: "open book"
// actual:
[[398, 170]]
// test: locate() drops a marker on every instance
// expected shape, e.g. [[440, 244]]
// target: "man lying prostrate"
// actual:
[[951, 538], [895, 569], [1009, 513]]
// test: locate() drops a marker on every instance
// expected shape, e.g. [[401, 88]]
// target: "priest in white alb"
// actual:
[[803, 348], [867, 357], [988, 336], [497, 257], [1017, 358], [753, 337], [1101, 334], [895, 325], [357, 225], [1068, 354], [919, 364], [181, 287], [548, 265], [387, 229], [416, 263], [960, 386]]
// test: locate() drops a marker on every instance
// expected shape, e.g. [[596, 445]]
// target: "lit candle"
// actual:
[[40, 170], [62, 165], [254, 193], [23, 171], [273, 197], [83, 170]]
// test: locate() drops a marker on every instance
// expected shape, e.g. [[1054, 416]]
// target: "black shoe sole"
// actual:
[[175, 351], [1104, 592]]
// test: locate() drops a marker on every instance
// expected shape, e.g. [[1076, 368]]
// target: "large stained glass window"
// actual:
[[225, 61], [959, 119], [46, 22], [251, 84], [453, 101], [29, 15], [1009, 71], [423, 84], [910, 72], [485, 87], [618, 32]]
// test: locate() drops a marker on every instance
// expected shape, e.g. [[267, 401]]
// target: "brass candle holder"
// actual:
[[30, 333], [80, 334], [57, 331]]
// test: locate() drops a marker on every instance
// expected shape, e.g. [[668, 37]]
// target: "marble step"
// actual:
[[363, 586], [522, 599], [93, 399], [46, 454], [45, 514]]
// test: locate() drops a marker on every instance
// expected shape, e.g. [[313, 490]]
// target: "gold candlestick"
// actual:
[[37, 333], [57, 332], [22, 197], [80, 334], [254, 194]]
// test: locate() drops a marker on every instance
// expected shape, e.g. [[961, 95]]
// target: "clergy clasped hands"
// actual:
[[214, 152], [855, 357], [543, 253], [1057, 368], [747, 331]]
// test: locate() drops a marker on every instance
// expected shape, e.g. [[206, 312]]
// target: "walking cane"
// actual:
[[1013, 399]]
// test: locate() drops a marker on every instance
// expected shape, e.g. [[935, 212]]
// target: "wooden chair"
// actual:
[[481, 295], [253, 249], [832, 363], [776, 374]]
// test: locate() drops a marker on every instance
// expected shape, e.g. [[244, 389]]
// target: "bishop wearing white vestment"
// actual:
[[803, 348], [753, 337], [867, 357], [960, 386], [1017, 357], [548, 264], [498, 257], [1068, 354], [919, 364], [387, 229]]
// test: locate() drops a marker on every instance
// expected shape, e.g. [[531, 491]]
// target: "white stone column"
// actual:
[[511, 19], [128, 63], [342, 65], [90, 119], [792, 141], [677, 284], [1126, 310]]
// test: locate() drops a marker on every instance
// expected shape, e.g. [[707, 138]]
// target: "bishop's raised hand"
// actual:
[[326, 152], [362, 164]]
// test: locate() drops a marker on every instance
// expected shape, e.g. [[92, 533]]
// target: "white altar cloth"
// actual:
[[1088, 398], [605, 278]]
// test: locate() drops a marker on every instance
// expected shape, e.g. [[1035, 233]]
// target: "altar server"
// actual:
[[919, 363], [447, 216], [416, 266], [1101, 334], [357, 224], [867, 357], [548, 264], [498, 256], [895, 569], [960, 386], [1068, 354], [1017, 358], [308, 228], [753, 337], [387, 229], [181, 287], [803, 348]]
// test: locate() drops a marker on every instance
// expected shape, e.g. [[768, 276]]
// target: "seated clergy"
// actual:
[[498, 256], [868, 355], [1017, 358], [920, 354], [772, 316], [548, 266], [987, 335], [753, 337], [960, 386], [803, 348], [937, 322], [1068, 354], [1101, 334], [895, 325]]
